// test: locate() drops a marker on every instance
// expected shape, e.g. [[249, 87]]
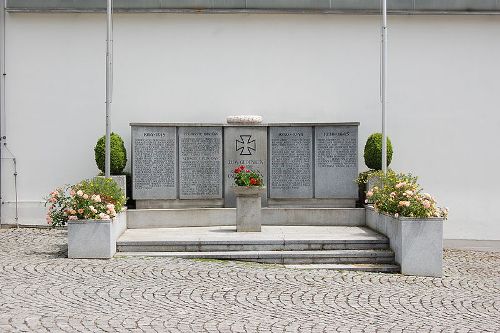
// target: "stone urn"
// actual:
[[248, 208]]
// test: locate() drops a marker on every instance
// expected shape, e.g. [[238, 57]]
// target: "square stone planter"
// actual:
[[417, 243], [95, 239]]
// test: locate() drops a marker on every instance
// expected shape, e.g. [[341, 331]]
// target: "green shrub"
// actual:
[[373, 151], [118, 154], [106, 188]]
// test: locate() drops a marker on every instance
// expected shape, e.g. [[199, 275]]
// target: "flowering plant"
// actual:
[[247, 177], [96, 199], [401, 195]]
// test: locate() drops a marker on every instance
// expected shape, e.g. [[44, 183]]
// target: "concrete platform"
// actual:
[[331, 247], [269, 235]]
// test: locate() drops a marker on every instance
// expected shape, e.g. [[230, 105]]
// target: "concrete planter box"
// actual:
[[417, 243], [248, 208], [95, 239]]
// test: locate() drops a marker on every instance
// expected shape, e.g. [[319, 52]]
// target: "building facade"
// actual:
[[289, 61]]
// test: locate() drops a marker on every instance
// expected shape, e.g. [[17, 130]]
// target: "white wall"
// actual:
[[443, 86]]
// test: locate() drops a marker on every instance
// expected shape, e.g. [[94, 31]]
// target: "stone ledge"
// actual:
[[262, 6]]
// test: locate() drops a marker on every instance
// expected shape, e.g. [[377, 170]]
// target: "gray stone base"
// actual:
[[177, 204], [248, 213], [311, 203], [207, 217], [417, 243], [95, 239]]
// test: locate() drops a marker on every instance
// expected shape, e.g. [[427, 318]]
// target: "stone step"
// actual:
[[284, 257], [272, 238], [207, 217], [376, 268], [220, 246]]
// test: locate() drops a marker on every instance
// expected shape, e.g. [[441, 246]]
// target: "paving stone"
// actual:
[[43, 291]]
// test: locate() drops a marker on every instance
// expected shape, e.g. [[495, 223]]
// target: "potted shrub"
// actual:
[[94, 212], [411, 220], [373, 160], [248, 187], [118, 159]]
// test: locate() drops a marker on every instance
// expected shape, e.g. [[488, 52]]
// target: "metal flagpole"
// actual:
[[109, 86], [384, 85]]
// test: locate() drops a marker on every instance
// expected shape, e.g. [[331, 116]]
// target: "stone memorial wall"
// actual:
[[193, 164], [154, 165], [200, 162], [291, 162]]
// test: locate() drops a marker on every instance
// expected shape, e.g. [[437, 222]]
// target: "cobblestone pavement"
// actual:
[[41, 290]]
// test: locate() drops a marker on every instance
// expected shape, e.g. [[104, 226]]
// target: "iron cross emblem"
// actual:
[[245, 145]]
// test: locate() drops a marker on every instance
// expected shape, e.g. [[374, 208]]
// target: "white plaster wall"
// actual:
[[444, 82]]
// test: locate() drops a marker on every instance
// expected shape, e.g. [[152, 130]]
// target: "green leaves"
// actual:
[[118, 154], [373, 151], [247, 177]]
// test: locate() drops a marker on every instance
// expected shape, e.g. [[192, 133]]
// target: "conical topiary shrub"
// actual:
[[373, 151], [118, 154]]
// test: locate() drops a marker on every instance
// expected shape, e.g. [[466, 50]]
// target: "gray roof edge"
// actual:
[[262, 6]]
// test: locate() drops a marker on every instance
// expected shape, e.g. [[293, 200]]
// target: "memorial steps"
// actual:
[[315, 247], [178, 169]]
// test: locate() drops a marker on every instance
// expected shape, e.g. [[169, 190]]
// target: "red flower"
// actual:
[[248, 171], [242, 167], [253, 181], [237, 170]]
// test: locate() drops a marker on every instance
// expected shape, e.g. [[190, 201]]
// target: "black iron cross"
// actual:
[[245, 145]]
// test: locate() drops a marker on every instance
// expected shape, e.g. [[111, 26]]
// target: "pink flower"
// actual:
[[85, 196], [79, 193], [399, 185], [72, 193], [393, 194], [97, 198], [72, 217], [80, 211], [426, 203], [103, 216], [369, 194]]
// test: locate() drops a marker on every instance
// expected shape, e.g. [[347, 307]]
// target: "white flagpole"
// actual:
[[384, 85], [109, 85]]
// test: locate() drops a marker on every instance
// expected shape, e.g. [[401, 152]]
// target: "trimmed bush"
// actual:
[[118, 154], [373, 151]]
